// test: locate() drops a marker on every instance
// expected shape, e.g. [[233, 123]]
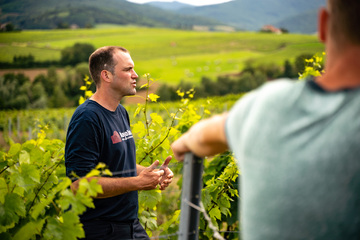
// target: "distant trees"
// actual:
[[25, 61], [16, 92], [8, 27], [53, 91], [70, 56], [250, 78], [46, 90], [50, 90], [78, 53]]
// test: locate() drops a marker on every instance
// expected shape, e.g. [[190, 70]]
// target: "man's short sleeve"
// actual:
[[237, 119]]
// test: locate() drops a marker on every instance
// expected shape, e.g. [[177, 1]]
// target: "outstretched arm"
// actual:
[[205, 138]]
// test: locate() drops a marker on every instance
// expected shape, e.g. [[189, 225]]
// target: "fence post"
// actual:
[[18, 126], [191, 192], [9, 127]]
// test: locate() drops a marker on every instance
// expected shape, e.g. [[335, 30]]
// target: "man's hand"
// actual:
[[206, 138], [179, 147], [150, 177], [166, 179]]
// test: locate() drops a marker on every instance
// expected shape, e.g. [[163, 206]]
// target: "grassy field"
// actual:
[[168, 55]]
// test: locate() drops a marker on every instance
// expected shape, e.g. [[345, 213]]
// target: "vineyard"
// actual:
[[34, 192], [169, 55], [22, 125], [33, 175]]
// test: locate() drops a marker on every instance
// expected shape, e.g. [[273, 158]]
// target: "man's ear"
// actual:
[[106, 75], [323, 20]]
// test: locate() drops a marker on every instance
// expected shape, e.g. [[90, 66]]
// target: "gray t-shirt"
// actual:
[[298, 148]]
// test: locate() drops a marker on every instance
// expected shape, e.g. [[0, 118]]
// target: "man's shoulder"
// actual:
[[279, 89], [280, 85], [86, 110]]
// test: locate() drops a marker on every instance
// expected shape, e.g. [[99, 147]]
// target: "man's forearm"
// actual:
[[206, 138], [148, 178], [112, 186]]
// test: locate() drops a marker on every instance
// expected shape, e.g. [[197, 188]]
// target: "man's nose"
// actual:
[[134, 75]]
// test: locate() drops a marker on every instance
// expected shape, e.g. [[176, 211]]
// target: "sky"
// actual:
[[191, 2]]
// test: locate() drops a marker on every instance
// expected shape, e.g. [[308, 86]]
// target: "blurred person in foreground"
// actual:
[[99, 131], [297, 143]]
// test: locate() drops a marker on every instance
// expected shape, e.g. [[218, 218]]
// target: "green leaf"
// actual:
[[3, 190], [29, 230], [139, 128], [78, 203], [156, 118], [215, 213], [66, 228], [151, 223], [88, 94], [224, 204], [175, 219], [144, 85], [81, 100], [24, 157], [36, 155], [14, 149], [39, 208], [91, 188], [31, 174], [11, 210], [153, 97], [5, 235], [138, 109], [206, 198], [26, 178], [150, 198], [72, 228], [93, 173], [28, 145]]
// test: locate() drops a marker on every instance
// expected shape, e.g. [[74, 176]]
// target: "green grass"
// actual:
[[169, 55]]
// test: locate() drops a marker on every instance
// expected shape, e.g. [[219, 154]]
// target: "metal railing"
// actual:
[[191, 195]]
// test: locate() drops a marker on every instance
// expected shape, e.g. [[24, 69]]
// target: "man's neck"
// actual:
[[343, 72], [105, 100]]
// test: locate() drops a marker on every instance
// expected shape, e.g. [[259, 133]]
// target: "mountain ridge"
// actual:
[[252, 15], [47, 14], [248, 15]]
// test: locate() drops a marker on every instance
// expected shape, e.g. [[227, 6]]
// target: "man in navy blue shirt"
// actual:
[[99, 131]]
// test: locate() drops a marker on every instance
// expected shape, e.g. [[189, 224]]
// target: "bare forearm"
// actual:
[[206, 138], [112, 186], [148, 178]]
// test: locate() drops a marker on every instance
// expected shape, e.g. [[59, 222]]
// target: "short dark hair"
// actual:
[[103, 59], [345, 19]]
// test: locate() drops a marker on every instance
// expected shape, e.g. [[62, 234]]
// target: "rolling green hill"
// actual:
[[252, 15], [50, 14], [167, 54], [302, 23]]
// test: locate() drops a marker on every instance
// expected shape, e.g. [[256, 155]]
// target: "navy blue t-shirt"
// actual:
[[96, 135]]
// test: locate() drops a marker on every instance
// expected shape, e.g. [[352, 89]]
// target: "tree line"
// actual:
[[248, 79], [73, 55], [50, 90], [54, 90]]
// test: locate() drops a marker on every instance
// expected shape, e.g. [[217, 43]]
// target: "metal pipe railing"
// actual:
[[191, 192]]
